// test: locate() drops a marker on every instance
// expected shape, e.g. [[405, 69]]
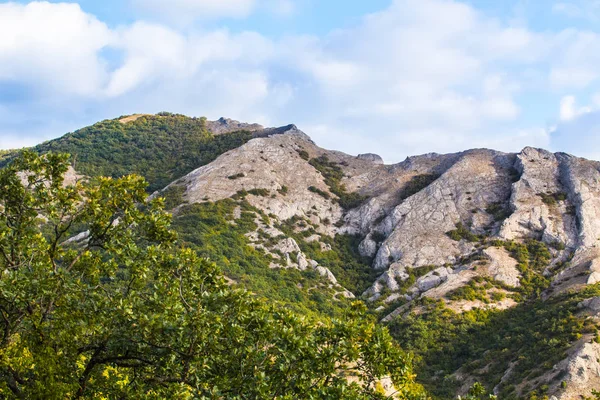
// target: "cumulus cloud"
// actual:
[[418, 76], [422, 74], [52, 47]]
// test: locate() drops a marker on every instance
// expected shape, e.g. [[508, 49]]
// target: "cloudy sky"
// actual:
[[397, 78]]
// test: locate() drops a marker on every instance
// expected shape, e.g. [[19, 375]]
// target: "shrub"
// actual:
[[416, 184], [463, 233], [320, 192], [259, 192], [236, 176], [303, 154]]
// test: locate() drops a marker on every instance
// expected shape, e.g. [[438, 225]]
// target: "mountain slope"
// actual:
[[484, 264], [480, 230], [159, 147]]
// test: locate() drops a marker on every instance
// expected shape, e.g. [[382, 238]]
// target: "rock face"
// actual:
[[374, 158], [422, 221], [581, 369], [502, 266], [226, 125]]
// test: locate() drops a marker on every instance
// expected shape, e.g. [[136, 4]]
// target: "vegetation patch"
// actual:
[[333, 174], [500, 211], [320, 192], [236, 176], [532, 257], [352, 271], [283, 190], [211, 230], [416, 184], [303, 154], [476, 289], [463, 233], [552, 199], [259, 192], [534, 334], [173, 196], [161, 148]]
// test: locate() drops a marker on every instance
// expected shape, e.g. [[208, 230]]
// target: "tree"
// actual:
[[98, 300], [477, 392]]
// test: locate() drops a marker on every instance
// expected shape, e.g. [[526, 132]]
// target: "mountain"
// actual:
[[483, 264]]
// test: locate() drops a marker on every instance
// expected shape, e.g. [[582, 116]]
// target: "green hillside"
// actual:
[[161, 148]]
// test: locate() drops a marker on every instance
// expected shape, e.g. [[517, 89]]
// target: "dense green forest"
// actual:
[[161, 148]]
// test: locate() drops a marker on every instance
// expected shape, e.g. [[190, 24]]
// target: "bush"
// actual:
[[551, 199], [463, 233], [320, 192], [259, 192], [236, 176]]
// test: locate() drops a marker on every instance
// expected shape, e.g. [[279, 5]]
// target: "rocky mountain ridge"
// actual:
[[476, 230], [410, 210]]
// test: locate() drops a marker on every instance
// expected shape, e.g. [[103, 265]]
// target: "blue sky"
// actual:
[[394, 77]]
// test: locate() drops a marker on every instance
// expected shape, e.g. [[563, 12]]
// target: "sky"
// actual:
[[392, 77]]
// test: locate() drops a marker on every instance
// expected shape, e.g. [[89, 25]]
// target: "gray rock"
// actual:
[[374, 158], [326, 273]]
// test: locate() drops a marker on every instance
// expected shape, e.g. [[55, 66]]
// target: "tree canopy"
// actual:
[[98, 299], [161, 148]]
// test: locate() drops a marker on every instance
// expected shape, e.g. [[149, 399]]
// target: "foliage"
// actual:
[[259, 192], [476, 289], [320, 192], [484, 342], [333, 174], [413, 275], [477, 392], [353, 271], [551, 199], [303, 154], [532, 257], [173, 196], [212, 230], [159, 148], [595, 395], [499, 211], [463, 233], [129, 313], [236, 176], [416, 184]]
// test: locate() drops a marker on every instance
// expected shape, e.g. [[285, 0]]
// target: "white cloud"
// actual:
[[428, 73], [569, 110], [419, 76], [52, 47]]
